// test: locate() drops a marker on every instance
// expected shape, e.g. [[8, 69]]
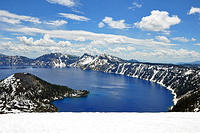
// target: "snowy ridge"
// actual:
[[59, 64], [23, 92], [181, 81], [53, 60]]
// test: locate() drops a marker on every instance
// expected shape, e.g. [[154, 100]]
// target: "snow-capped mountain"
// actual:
[[55, 60], [94, 62], [184, 82], [14, 60], [24, 92]]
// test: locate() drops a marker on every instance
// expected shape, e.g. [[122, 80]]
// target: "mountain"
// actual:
[[54, 60], [14, 60], [24, 92], [194, 63], [2, 54], [97, 62], [182, 80], [133, 61]]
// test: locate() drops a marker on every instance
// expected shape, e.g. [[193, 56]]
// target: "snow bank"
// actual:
[[100, 123]]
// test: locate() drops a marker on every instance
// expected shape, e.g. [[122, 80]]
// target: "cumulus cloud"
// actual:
[[45, 41], [12, 18], [57, 22], [163, 39], [74, 17], [101, 25], [68, 3], [30, 41], [157, 21], [118, 24], [194, 10]]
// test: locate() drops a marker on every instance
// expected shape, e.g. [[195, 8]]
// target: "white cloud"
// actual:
[[68, 3], [80, 39], [181, 39], [74, 17], [157, 21], [64, 43], [135, 5], [90, 36], [105, 43], [166, 55], [9, 20], [57, 22], [120, 24], [12, 18], [122, 49], [197, 44], [101, 25], [193, 39], [163, 39], [46, 40], [194, 10], [5, 38]]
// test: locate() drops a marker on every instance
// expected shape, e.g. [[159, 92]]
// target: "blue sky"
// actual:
[[153, 31]]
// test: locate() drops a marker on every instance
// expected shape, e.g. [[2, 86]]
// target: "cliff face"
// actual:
[[184, 82], [23, 92]]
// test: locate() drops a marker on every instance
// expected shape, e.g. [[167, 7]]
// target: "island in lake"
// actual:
[[24, 92]]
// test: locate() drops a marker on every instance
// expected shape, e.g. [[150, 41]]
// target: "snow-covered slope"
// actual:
[[184, 82], [95, 61], [23, 92], [55, 60], [100, 123]]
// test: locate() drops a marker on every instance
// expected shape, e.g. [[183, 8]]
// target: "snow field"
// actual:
[[100, 123]]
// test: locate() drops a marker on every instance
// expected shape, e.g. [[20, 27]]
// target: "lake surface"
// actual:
[[108, 92]]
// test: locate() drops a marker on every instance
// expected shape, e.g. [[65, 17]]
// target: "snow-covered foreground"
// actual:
[[100, 123]]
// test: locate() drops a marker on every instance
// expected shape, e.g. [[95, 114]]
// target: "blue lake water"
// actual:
[[108, 92]]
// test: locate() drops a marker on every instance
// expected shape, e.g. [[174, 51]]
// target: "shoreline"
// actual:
[[175, 99]]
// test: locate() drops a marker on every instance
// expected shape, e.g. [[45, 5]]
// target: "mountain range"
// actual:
[[182, 80]]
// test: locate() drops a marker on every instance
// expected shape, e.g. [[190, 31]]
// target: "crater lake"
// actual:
[[108, 92]]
